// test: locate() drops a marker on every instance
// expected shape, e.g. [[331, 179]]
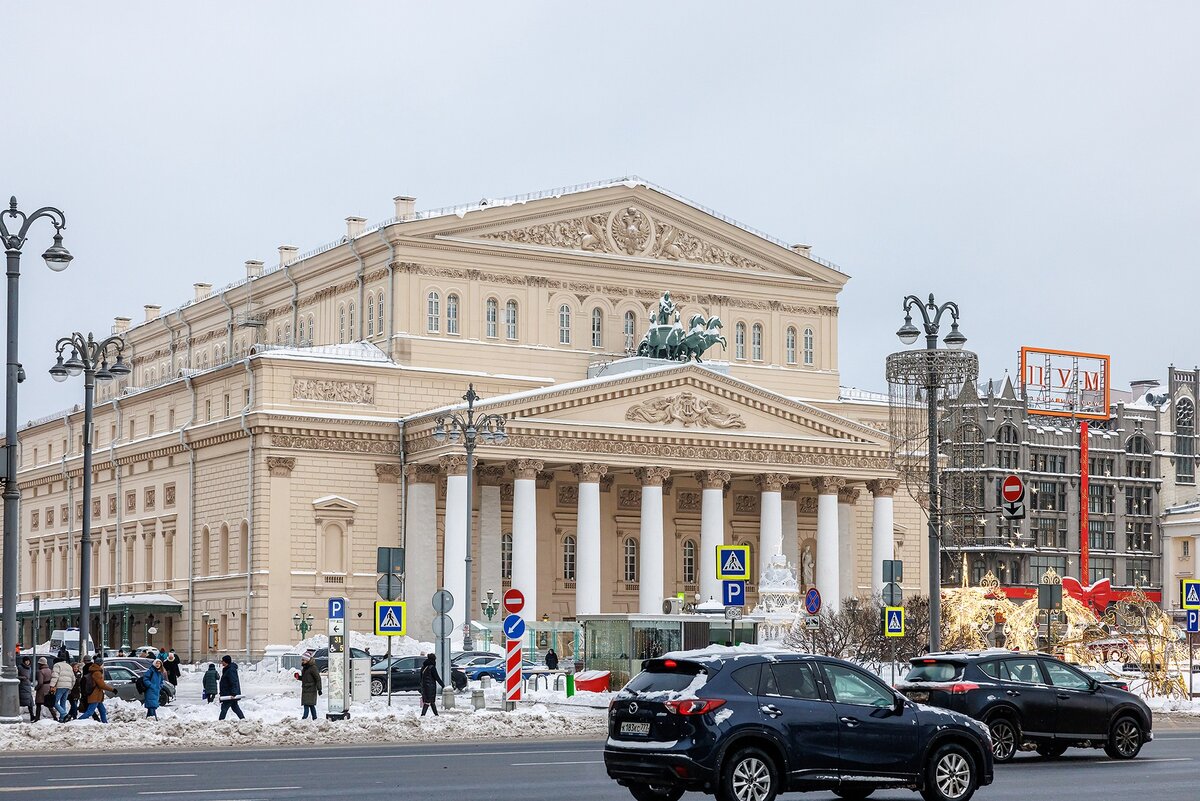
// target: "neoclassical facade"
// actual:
[[276, 431]]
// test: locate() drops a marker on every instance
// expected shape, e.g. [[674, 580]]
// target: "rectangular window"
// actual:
[[1137, 572], [208, 411], [1048, 462], [1138, 501], [1187, 548], [1138, 536], [1137, 468], [1102, 499], [1050, 532], [1101, 535], [227, 407], [1038, 565], [1008, 458], [150, 427], [170, 419], [1100, 466], [1049, 496]]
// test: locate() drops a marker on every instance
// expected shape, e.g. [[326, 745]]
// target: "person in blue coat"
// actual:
[[153, 678], [230, 688]]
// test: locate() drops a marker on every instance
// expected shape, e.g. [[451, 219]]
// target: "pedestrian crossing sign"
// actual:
[[893, 621], [733, 562], [1189, 593], [390, 618]]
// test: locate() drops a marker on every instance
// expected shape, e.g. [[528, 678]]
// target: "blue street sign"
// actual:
[[733, 562], [390, 618], [1189, 593], [1193, 620], [514, 627], [337, 608], [812, 601], [893, 621], [733, 593]]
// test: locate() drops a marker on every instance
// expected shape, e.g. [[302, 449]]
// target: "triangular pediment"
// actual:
[[334, 504], [639, 222]]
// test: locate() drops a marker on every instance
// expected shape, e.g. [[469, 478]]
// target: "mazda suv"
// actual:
[[748, 725], [1031, 702]]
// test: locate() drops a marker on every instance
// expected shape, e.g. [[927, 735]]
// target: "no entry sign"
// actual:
[[514, 601], [1012, 489]]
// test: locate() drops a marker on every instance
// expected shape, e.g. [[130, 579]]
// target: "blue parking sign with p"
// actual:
[[337, 608], [733, 593], [1193, 620]]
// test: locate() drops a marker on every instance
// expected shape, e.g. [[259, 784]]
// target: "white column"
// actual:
[[847, 542], [770, 517], [882, 528], [587, 529], [454, 542], [420, 553], [524, 562], [490, 478], [827, 540], [712, 530], [791, 534], [650, 548]]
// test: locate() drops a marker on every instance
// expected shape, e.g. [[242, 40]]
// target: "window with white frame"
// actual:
[[739, 340], [630, 327], [353, 331], [506, 556], [379, 309], [569, 558], [433, 313], [597, 328], [689, 561], [452, 314], [1185, 441], [492, 317], [564, 324], [510, 319], [341, 324], [312, 329], [756, 339], [630, 559], [808, 347], [370, 314], [791, 345]]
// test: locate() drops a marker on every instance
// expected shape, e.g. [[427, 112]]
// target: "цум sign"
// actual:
[[1065, 383]]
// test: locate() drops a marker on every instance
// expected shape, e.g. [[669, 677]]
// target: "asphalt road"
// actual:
[[517, 770]]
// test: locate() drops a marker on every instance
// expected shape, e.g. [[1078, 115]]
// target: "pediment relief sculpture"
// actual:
[[686, 408], [629, 231]]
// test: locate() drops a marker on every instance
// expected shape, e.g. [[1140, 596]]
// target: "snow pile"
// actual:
[[375, 645]]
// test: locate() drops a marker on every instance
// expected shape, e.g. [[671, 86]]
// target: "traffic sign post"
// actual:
[[514, 631], [1012, 497], [893, 621], [391, 619], [1193, 621], [733, 562], [339, 661], [733, 612], [1189, 593], [812, 601], [389, 586], [513, 601], [733, 593], [443, 627]]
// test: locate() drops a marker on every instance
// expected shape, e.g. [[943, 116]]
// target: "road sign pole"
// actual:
[[389, 670]]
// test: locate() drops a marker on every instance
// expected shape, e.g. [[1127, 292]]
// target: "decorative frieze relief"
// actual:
[[687, 501], [629, 498], [686, 408], [745, 504], [567, 496], [806, 504], [336, 444], [318, 389]]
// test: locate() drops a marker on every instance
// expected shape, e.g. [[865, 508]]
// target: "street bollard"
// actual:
[[485, 681], [447, 698], [570, 684], [509, 706], [477, 699]]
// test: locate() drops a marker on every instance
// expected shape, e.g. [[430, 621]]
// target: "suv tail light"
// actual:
[[962, 687], [694, 706]]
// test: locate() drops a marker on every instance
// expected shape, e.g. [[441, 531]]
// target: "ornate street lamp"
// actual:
[[469, 429], [932, 370], [303, 621], [14, 226], [489, 606], [92, 359]]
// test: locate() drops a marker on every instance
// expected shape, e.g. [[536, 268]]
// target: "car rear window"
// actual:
[[677, 677], [934, 671]]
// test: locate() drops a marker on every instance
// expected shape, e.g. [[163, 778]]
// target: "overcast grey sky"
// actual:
[[1035, 162]]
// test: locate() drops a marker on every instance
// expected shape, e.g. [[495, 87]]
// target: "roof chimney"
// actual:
[[152, 311], [202, 291], [1142, 386], [120, 325], [287, 253], [253, 268], [803, 250], [405, 207], [355, 226]]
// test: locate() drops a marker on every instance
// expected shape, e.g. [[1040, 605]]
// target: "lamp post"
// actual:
[[469, 429], [207, 644], [57, 258], [92, 359], [489, 606], [932, 369], [303, 621]]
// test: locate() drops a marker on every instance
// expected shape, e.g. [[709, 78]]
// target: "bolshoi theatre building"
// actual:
[[275, 432]]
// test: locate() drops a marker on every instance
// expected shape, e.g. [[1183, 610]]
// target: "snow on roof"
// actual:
[[356, 352], [143, 599]]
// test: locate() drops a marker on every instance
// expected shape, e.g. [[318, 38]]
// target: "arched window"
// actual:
[[756, 342], [278, 334], [564, 324], [223, 551], [791, 345], [739, 341], [433, 313], [243, 564], [333, 549], [510, 319], [379, 310], [370, 314], [205, 556], [452, 314], [300, 331], [506, 556], [630, 326], [341, 324], [493, 317], [1185, 441], [689, 561], [597, 328], [629, 562], [287, 334], [568, 558], [312, 330], [353, 332], [1137, 460], [808, 346]]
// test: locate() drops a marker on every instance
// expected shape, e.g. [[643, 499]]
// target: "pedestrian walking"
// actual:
[[43, 696], [62, 681], [230, 688], [153, 681], [429, 684], [92, 693], [310, 685], [551, 660], [172, 668], [25, 690], [210, 683], [73, 697]]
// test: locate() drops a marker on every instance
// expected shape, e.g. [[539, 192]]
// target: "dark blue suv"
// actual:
[[747, 725]]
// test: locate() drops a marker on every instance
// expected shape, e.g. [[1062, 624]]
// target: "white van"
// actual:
[[70, 639]]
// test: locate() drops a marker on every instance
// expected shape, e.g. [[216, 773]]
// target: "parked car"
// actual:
[[495, 667], [749, 725], [406, 675], [467, 658], [123, 682], [1105, 678], [1031, 701], [69, 638], [135, 663], [321, 657]]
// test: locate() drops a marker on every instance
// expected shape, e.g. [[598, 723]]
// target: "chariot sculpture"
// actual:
[[666, 338]]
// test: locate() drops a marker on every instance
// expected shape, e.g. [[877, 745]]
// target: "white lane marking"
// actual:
[[42, 788], [1142, 761], [230, 790], [579, 762], [218, 758], [132, 778]]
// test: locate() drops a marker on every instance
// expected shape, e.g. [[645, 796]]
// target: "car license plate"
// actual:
[[919, 697], [635, 728]]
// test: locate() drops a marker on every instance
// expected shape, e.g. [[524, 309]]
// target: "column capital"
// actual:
[[883, 487], [491, 475], [525, 468], [280, 466], [848, 495], [828, 485], [453, 464], [387, 472], [713, 479], [652, 476], [589, 472], [421, 473], [771, 482]]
